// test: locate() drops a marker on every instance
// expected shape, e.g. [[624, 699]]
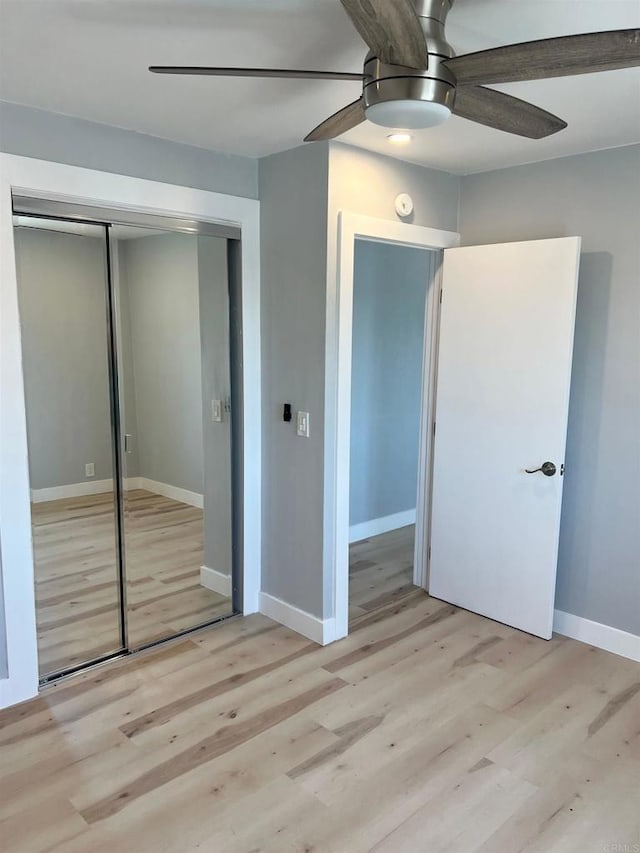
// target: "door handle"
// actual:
[[547, 468]]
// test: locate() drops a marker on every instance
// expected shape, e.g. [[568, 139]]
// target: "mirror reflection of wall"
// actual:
[[63, 308], [117, 569], [173, 314]]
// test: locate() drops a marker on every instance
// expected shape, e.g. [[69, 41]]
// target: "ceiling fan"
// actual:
[[413, 79]]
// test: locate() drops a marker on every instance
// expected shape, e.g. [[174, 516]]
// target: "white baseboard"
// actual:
[[215, 581], [183, 496], [71, 490], [596, 634], [322, 631], [99, 487], [376, 526]]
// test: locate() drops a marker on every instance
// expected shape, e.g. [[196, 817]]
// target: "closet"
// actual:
[[129, 325]]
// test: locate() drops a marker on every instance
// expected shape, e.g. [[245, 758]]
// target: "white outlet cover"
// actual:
[[302, 424], [216, 411]]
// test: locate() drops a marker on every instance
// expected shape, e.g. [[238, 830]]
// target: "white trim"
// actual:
[[596, 634], [57, 181], [321, 631], [99, 487], [183, 496], [216, 581], [376, 526], [337, 424], [71, 490], [427, 419]]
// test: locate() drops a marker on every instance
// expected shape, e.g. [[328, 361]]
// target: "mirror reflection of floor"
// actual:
[[380, 570], [76, 578]]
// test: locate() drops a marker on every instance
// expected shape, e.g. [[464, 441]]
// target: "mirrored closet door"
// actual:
[[173, 320], [63, 303], [127, 372]]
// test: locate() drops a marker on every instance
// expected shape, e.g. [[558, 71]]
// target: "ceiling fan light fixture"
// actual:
[[412, 114], [399, 138]]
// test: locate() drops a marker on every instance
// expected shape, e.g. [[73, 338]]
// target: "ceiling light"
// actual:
[[408, 113], [399, 138]]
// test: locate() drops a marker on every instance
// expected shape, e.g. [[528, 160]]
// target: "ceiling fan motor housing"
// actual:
[[411, 89]]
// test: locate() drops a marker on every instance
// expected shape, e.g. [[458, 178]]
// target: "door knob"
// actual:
[[547, 468]]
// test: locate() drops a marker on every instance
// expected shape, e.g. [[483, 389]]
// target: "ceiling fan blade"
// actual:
[[392, 30], [555, 57], [338, 123], [206, 71], [504, 112]]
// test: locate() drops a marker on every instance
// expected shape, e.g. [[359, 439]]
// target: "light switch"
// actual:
[[302, 424], [216, 411]]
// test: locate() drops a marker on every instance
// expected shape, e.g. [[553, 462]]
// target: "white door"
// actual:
[[504, 369]]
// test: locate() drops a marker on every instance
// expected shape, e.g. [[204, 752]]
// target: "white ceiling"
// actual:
[[88, 58]]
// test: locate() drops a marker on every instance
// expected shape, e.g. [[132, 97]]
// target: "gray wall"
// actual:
[[293, 195], [50, 136], [160, 274], [368, 183], [595, 196], [4, 668], [390, 285], [61, 286]]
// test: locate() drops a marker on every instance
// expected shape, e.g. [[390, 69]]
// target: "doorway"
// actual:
[[390, 328], [502, 409], [127, 347], [351, 228]]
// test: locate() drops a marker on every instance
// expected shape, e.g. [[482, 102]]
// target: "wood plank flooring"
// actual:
[[77, 599], [380, 570], [429, 729]]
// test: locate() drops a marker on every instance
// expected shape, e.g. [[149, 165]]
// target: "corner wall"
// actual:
[[160, 276], [595, 196], [293, 203]]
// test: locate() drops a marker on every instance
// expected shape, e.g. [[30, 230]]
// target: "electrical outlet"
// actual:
[[90, 469], [216, 411], [302, 424]]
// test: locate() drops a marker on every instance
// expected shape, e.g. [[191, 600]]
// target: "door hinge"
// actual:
[[441, 289], [429, 553], [434, 427]]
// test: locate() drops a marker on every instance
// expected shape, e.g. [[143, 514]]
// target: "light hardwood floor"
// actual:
[[77, 598], [380, 570], [429, 729]]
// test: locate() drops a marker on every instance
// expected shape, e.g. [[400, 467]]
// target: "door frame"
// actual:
[[353, 226], [60, 182]]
